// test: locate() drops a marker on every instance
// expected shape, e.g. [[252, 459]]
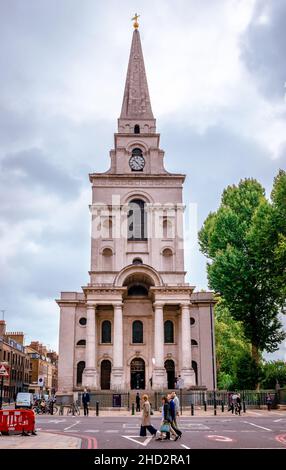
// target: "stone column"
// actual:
[[90, 372], [159, 372], [187, 373], [117, 368]]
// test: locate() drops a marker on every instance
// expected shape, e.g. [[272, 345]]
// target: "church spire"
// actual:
[[136, 100]]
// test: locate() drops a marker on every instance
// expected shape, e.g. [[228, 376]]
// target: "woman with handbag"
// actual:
[[166, 426], [146, 420]]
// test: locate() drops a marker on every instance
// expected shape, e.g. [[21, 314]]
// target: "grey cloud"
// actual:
[[263, 47]]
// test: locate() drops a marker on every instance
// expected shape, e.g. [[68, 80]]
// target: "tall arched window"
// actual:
[[167, 228], [107, 259], [136, 129], [137, 220], [137, 332], [79, 371], [106, 331], [168, 332], [167, 259]]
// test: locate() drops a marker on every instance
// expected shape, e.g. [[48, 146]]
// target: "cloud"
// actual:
[[263, 47]]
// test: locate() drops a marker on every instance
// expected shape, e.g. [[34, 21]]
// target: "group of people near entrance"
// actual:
[[169, 422]]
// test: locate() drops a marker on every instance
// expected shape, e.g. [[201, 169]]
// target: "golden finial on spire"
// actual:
[[135, 19]]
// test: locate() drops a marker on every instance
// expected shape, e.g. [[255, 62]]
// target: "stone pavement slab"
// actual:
[[43, 440]]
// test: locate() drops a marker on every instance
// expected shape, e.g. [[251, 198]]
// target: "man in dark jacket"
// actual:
[[85, 402]]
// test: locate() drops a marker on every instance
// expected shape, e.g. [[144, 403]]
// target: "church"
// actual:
[[137, 324]]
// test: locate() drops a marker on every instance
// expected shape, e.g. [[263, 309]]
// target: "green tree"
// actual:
[[273, 372], [245, 242]]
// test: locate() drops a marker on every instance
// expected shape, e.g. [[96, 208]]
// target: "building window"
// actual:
[[81, 342], [106, 331], [167, 259], [107, 259], [195, 367], [137, 220], [137, 332], [79, 371], [194, 342], [192, 321], [167, 228], [136, 129], [137, 261], [107, 228], [82, 321], [168, 332], [137, 290]]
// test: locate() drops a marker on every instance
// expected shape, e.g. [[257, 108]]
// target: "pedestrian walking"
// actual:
[[85, 401], [173, 415], [238, 404], [177, 407], [146, 419], [269, 402], [166, 424], [137, 399]]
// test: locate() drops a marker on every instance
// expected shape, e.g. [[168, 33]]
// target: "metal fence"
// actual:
[[108, 400]]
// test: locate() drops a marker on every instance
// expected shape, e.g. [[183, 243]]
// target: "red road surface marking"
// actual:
[[281, 438]]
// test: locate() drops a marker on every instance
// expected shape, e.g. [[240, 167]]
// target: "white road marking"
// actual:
[[135, 439], [257, 426], [276, 420], [111, 430], [130, 425], [194, 425], [220, 438], [92, 430], [185, 447], [72, 425], [56, 421]]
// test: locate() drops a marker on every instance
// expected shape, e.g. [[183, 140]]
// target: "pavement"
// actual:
[[255, 429]]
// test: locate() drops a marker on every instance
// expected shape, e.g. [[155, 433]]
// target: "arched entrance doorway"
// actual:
[[195, 367], [170, 369], [105, 373], [137, 374]]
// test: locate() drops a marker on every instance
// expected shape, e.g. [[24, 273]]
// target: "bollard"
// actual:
[[133, 409], [215, 407], [222, 406], [205, 405], [192, 409], [97, 408], [244, 407]]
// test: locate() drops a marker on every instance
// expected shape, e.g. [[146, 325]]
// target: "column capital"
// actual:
[[185, 305], [91, 306], [158, 305], [117, 305]]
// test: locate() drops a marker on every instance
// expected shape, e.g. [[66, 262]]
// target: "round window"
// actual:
[[82, 321], [192, 320]]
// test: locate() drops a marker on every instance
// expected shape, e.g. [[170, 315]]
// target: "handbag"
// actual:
[[165, 427], [143, 431]]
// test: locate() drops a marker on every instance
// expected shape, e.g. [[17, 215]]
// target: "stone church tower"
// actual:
[[137, 324]]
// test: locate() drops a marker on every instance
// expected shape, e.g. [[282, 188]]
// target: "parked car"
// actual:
[[24, 400]]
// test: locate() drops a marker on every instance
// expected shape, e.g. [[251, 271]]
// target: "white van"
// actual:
[[24, 400]]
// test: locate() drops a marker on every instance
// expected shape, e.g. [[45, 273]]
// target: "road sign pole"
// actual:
[[1, 393]]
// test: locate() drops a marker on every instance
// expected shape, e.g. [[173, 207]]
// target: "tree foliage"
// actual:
[[245, 240]]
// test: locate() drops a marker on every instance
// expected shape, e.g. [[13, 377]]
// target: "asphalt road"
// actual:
[[248, 431]]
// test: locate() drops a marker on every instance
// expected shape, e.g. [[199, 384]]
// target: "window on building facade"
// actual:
[[137, 332], [82, 321], [79, 371], [168, 332], [81, 342], [136, 129], [192, 321], [137, 220], [106, 331], [194, 342], [137, 261]]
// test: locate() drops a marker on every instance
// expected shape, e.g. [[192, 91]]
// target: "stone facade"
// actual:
[[137, 324]]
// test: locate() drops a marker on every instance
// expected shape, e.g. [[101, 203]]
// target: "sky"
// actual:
[[216, 71]]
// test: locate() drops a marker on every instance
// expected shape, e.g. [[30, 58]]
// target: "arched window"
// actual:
[[107, 228], [106, 331], [136, 129], [192, 321], [195, 367], [137, 220], [167, 228], [137, 332], [79, 371], [107, 259], [81, 342], [194, 342], [167, 259], [168, 332], [137, 261]]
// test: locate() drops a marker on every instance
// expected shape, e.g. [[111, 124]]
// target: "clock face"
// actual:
[[137, 162]]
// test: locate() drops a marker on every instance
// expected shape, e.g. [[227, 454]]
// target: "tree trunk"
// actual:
[[255, 353]]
